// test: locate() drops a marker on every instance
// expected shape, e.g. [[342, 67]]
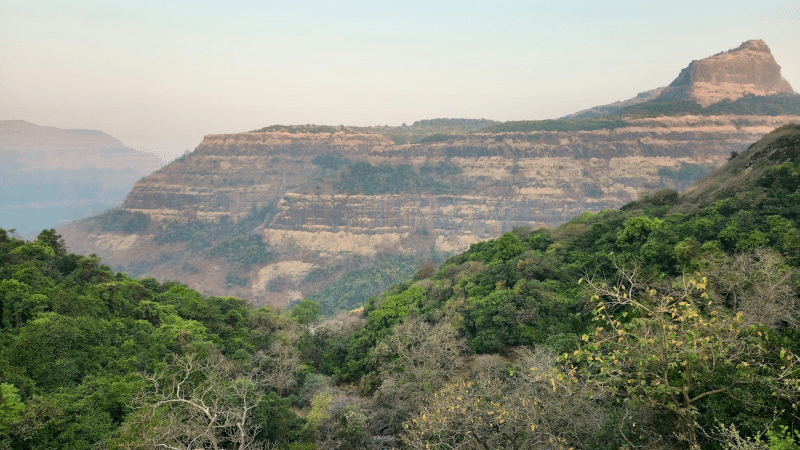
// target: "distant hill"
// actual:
[[51, 176]]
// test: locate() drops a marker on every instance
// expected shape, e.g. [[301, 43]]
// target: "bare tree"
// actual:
[[757, 283], [416, 359], [198, 402], [279, 366], [540, 405]]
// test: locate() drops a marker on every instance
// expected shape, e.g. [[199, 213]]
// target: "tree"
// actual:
[[533, 405], [415, 359], [668, 346], [197, 402], [11, 408], [307, 312], [758, 284]]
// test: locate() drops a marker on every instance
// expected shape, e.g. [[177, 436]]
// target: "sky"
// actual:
[[159, 75]]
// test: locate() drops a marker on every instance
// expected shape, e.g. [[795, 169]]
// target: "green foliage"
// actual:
[[688, 171], [306, 312], [557, 125], [200, 234], [75, 340], [11, 407], [119, 220], [243, 251], [394, 308], [355, 286], [364, 178], [330, 161]]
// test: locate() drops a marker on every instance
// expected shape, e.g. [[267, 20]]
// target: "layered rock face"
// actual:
[[748, 69], [433, 197], [49, 176], [274, 216]]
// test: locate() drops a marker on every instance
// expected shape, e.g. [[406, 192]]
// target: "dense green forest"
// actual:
[[429, 130], [438, 130], [670, 323]]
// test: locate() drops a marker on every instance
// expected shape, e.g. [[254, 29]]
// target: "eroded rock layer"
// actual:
[[323, 209]]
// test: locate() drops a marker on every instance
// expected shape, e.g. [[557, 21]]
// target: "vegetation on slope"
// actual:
[[367, 179], [442, 130], [719, 275], [749, 105], [94, 359], [420, 131]]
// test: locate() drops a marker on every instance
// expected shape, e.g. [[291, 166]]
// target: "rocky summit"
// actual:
[[748, 69]]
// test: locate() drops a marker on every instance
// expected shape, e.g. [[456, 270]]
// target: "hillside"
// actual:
[[319, 200], [673, 293], [675, 317], [51, 176]]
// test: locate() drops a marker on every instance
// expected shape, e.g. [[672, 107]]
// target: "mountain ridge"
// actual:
[[50, 176], [328, 200]]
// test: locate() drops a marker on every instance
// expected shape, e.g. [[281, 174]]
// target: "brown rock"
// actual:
[[508, 180], [748, 69]]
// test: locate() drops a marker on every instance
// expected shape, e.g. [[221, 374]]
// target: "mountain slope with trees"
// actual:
[[669, 323], [683, 331]]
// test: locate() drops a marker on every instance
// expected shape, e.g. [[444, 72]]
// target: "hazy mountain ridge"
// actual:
[[50, 176]]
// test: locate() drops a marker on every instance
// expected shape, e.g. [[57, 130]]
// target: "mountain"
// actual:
[[336, 213], [671, 322], [746, 80], [616, 107], [50, 176], [277, 216], [748, 69]]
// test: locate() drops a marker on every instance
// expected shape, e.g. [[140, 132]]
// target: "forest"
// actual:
[[669, 323]]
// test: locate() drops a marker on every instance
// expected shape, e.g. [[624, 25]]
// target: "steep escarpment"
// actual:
[[338, 212], [321, 205], [748, 69]]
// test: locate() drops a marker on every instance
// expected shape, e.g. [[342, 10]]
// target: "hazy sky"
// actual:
[[158, 75]]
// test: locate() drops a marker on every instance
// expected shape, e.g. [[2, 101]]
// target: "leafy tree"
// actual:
[[669, 347], [11, 408], [306, 312]]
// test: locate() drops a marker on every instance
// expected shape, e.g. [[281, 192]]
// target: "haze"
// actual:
[[160, 75]]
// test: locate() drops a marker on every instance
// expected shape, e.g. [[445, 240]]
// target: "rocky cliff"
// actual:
[[285, 211], [748, 69], [319, 201]]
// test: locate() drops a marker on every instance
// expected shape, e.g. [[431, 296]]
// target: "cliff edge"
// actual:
[[748, 69]]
